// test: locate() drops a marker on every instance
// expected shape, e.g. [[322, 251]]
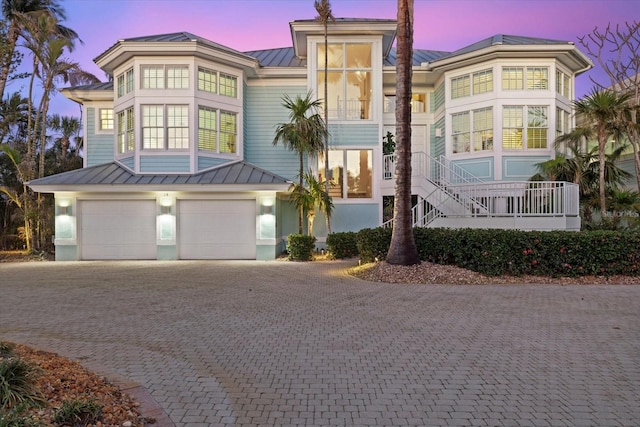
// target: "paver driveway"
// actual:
[[279, 343]]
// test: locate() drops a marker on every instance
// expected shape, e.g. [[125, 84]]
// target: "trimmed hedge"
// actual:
[[342, 245], [515, 252], [300, 247]]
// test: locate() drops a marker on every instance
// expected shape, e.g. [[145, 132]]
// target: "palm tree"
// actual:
[[68, 128], [321, 199], [402, 250], [323, 7], [602, 110], [18, 13], [304, 133]]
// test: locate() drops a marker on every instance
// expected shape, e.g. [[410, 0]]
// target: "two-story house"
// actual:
[[180, 162]]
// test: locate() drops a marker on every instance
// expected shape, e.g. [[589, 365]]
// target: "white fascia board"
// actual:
[[191, 188], [282, 72], [502, 51], [81, 96]]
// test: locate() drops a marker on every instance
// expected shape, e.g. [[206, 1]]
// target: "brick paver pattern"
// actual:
[[246, 343]]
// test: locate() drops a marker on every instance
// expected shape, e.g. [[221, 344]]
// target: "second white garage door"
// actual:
[[217, 229]]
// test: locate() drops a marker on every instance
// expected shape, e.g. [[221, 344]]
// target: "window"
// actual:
[[178, 77], [460, 87], [350, 172], [152, 126], [537, 78], [418, 103], [348, 80], [207, 80], [228, 132], [177, 127], [207, 129], [483, 82], [519, 78], [537, 126], [152, 77], [563, 84], [228, 85], [483, 129], [161, 77], [208, 137], [126, 141], [124, 83], [460, 132], [106, 118], [161, 134], [563, 122], [513, 129]]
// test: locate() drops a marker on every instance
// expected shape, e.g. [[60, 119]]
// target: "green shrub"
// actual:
[[17, 383], [373, 243], [300, 247], [342, 245], [6, 349], [78, 413]]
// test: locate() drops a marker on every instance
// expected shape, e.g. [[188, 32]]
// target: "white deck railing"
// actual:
[[476, 198]]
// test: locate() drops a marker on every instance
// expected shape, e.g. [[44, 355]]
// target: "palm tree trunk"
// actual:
[[12, 39], [301, 183], [402, 250], [602, 141]]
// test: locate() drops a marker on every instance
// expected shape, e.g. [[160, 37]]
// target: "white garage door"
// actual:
[[217, 229], [118, 229]]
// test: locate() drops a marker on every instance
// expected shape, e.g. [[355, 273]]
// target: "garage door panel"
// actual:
[[118, 229], [217, 229]]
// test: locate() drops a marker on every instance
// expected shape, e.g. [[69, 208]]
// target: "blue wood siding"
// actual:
[[354, 217], [481, 168], [98, 148], [128, 162], [437, 148], [520, 168], [263, 112], [354, 134], [164, 164], [437, 98], [209, 162]]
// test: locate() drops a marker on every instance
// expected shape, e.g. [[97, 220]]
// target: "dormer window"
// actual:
[[349, 78]]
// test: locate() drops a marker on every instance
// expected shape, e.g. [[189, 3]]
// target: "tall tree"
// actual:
[[19, 12], [304, 133], [602, 110], [402, 250], [617, 51], [323, 7]]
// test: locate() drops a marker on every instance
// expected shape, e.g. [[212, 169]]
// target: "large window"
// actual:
[[350, 174], [165, 77], [124, 83], [513, 127], [563, 122], [126, 142], [209, 80], [472, 131], [520, 78], [161, 134], [209, 139], [349, 77]]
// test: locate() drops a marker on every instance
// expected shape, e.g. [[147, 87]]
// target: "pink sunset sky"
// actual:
[[262, 24]]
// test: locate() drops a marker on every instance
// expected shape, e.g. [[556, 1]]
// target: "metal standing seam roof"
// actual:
[[506, 40], [114, 174]]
